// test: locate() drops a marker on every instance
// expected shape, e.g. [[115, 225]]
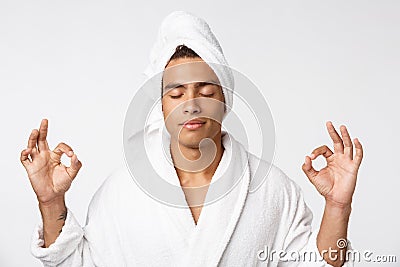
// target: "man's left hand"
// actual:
[[337, 181]]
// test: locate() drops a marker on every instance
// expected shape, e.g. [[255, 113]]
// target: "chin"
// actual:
[[190, 141]]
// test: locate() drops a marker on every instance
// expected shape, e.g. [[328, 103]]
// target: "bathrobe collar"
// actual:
[[203, 244]]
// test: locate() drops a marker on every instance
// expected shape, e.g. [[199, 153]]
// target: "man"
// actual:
[[127, 227]]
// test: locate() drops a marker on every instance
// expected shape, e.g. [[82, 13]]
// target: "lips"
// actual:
[[193, 124], [194, 121]]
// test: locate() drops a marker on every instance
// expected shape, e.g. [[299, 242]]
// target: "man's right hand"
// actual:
[[49, 178]]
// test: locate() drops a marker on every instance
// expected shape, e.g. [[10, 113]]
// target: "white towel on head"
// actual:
[[178, 28]]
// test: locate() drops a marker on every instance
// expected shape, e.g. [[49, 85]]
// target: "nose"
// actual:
[[191, 107]]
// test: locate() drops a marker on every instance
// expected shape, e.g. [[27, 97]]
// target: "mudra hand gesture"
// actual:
[[337, 181], [49, 178]]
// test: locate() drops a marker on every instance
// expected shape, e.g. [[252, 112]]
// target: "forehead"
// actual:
[[188, 70]]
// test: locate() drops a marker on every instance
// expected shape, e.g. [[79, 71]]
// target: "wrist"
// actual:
[[52, 206], [52, 202], [336, 207]]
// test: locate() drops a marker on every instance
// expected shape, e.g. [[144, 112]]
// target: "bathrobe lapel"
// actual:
[[216, 227], [203, 244]]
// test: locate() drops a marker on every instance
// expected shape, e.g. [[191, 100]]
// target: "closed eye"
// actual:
[[207, 95], [175, 96]]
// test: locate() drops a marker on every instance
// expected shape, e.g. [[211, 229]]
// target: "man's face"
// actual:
[[193, 102]]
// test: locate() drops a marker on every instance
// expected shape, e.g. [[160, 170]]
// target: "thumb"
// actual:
[[309, 170], [75, 166]]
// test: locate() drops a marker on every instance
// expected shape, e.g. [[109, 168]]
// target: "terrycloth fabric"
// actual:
[[179, 28], [126, 227]]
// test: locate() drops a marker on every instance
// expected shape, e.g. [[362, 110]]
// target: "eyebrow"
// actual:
[[174, 85]]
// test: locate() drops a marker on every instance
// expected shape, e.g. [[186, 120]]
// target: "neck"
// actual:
[[196, 165]]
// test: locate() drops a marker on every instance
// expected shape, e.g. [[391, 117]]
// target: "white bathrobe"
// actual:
[[126, 227]]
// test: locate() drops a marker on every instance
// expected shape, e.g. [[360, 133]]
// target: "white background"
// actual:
[[78, 63]]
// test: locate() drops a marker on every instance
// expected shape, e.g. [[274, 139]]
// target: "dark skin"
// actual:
[[50, 179], [336, 182], [201, 101]]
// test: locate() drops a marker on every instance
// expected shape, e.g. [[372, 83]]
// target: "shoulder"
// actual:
[[117, 183], [277, 191], [271, 174], [268, 178], [119, 177]]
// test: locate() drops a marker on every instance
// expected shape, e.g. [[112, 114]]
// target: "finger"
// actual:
[[308, 169], [359, 151], [24, 158], [42, 142], [32, 141], [337, 141], [322, 150], [348, 145], [33, 138], [60, 149], [75, 166]]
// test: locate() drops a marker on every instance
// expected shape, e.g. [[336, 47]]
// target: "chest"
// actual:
[[195, 196], [196, 213]]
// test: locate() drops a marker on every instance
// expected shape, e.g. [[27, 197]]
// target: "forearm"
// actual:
[[53, 217], [333, 228]]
